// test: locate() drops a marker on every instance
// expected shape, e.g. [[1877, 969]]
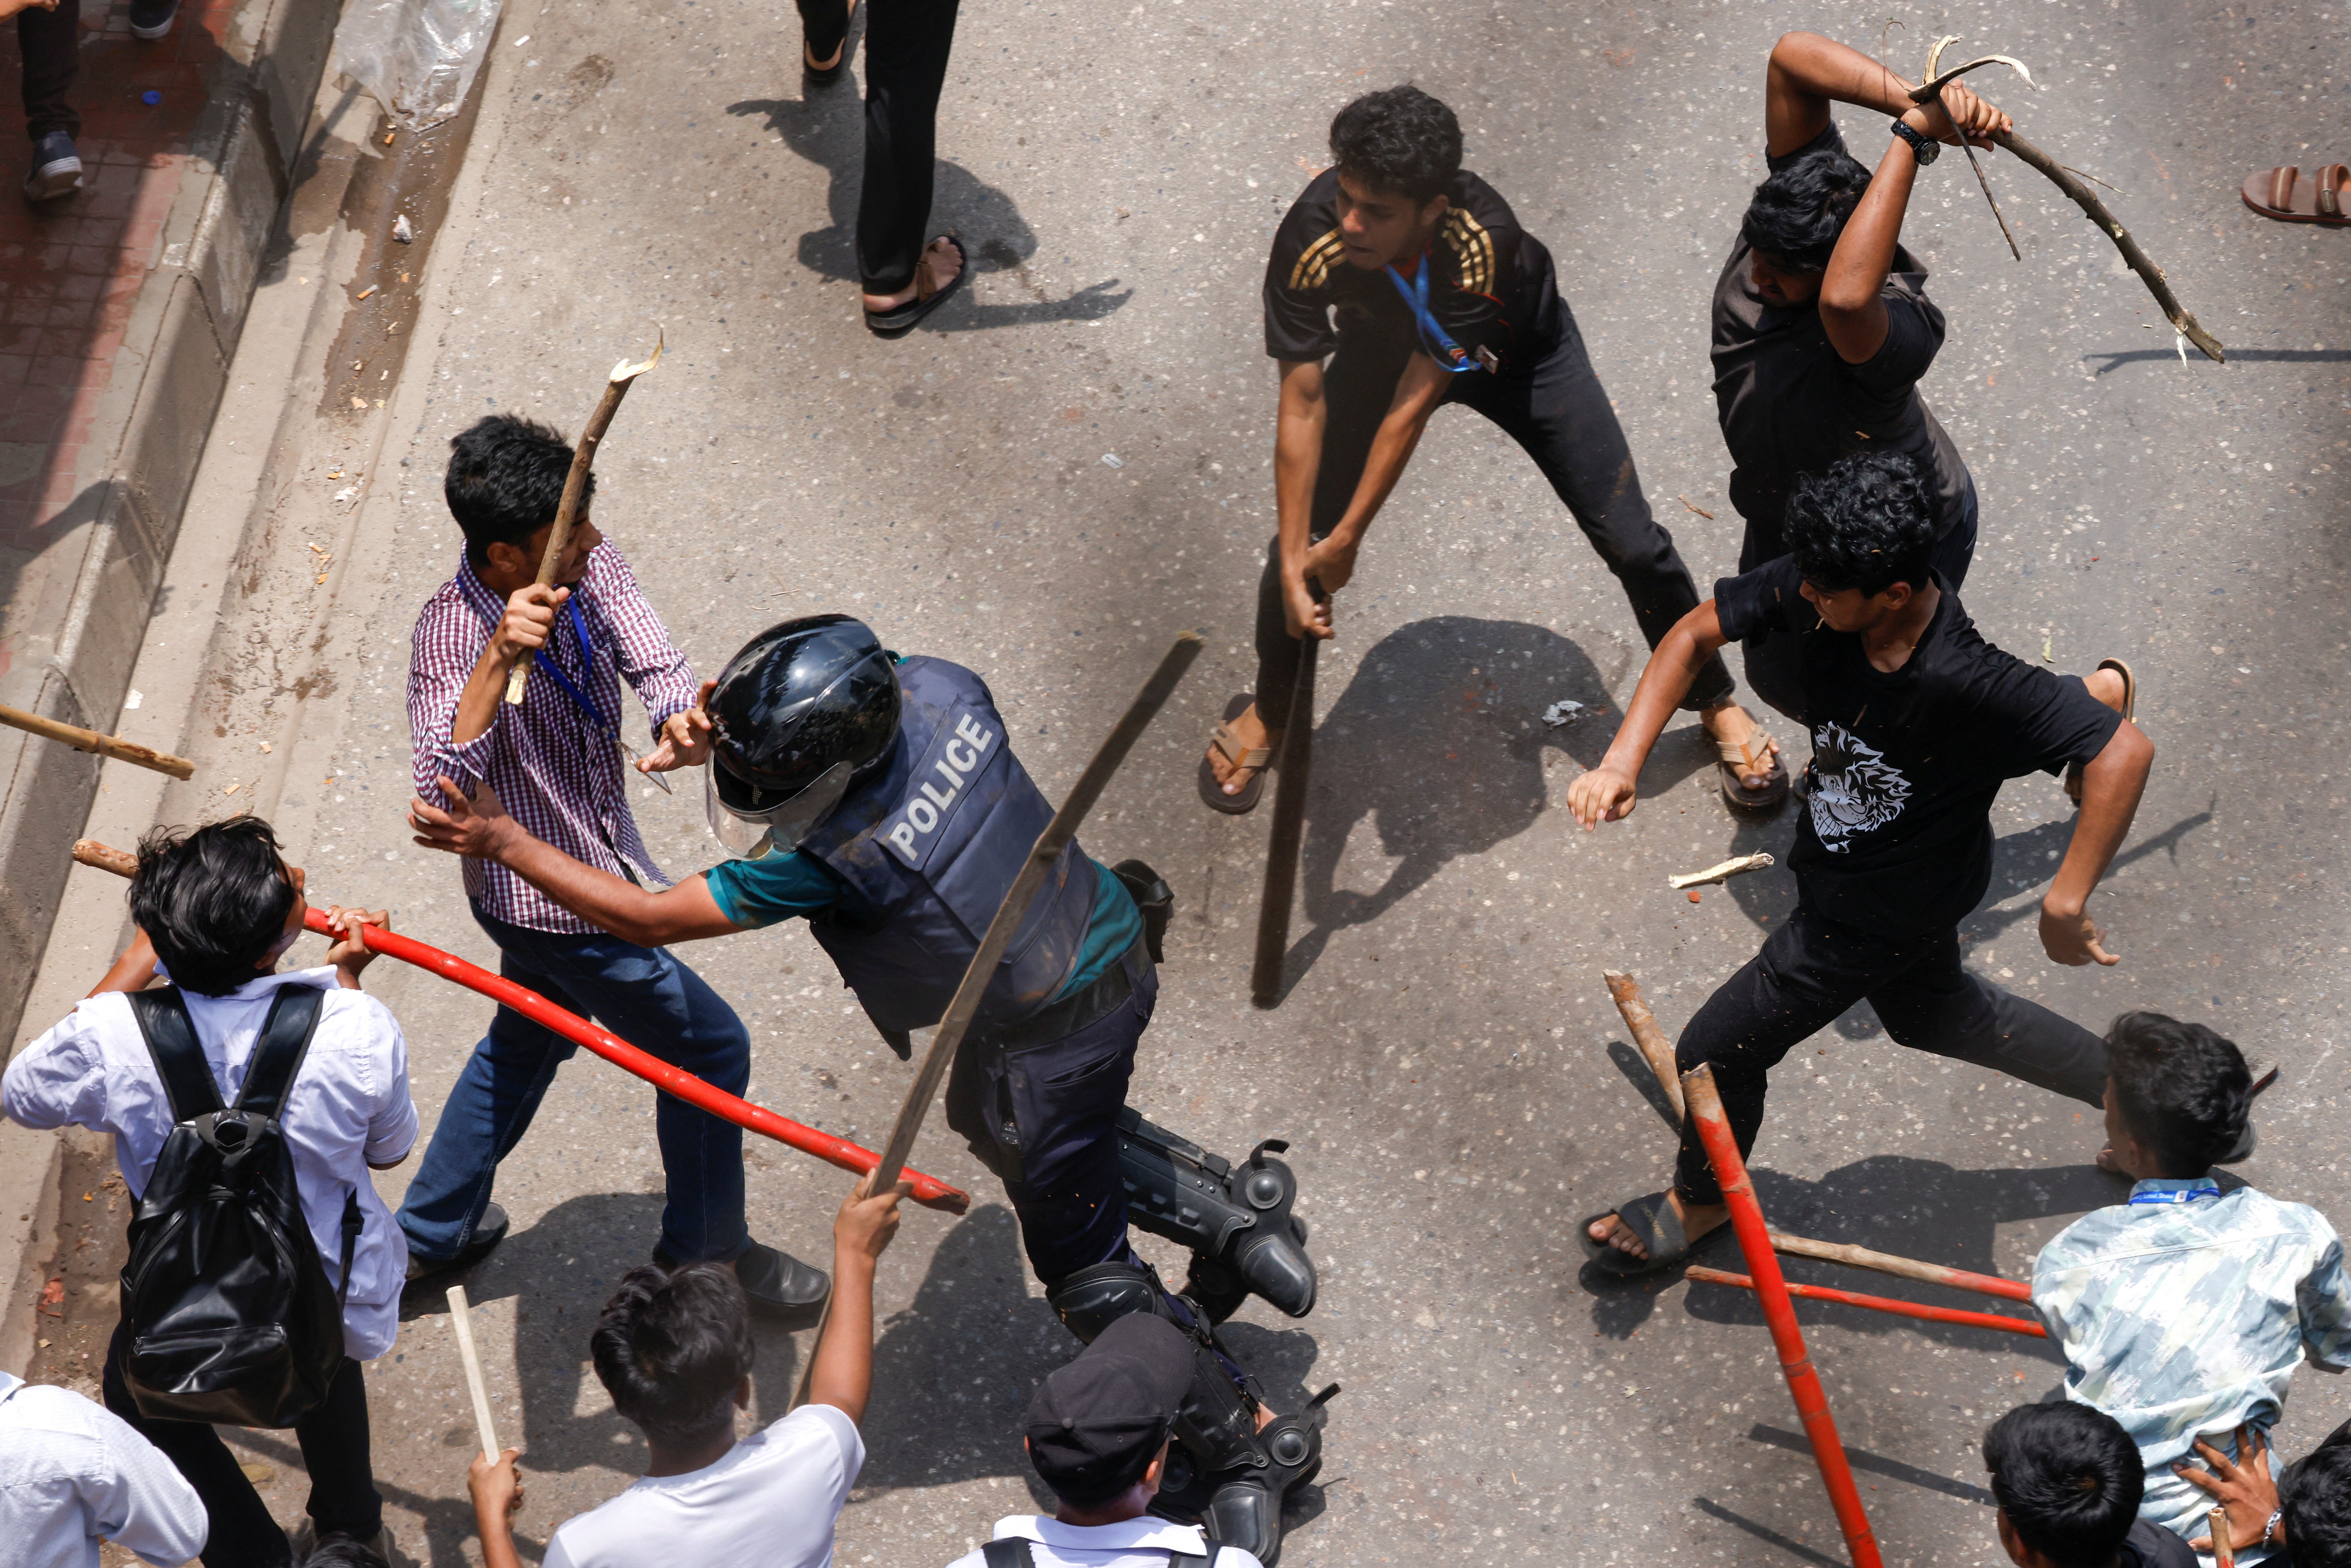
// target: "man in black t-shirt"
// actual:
[[1411, 277], [1915, 722], [1822, 323]]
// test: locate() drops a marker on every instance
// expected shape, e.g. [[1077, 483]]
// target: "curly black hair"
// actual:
[[1798, 213], [505, 481], [2183, 1091], [2315, 1494], [672, 1347], [1863, 524], [1398, 139], [2069, 1479], [212, 901]]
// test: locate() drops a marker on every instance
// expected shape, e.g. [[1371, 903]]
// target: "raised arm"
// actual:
[[1607, 793], [1807, 73], [843, 1376], [2111, 784], [482, 829]]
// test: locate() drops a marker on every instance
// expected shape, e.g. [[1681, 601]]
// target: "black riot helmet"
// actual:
[[798, 715]]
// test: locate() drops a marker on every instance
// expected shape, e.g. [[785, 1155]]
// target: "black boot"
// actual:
[[780, 1287], [1237, 1219]]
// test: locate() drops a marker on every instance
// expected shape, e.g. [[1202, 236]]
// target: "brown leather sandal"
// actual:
[[2130, 712], [1735, 761], [1258, 760], [2283, 194]]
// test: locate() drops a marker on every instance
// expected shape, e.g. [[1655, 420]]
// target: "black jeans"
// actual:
[[1810, 970], [906, 48], [50, 42], [1044, 1118], [1770, 657], [334, 1440], [1559, 414]]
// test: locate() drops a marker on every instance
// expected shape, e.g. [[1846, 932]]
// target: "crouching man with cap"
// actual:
[[878, 798], [1100, 1432]]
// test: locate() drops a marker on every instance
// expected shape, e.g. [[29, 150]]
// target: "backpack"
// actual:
[[1014, 1552], [228, 1312]]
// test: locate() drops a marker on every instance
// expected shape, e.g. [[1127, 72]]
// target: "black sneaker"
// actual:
[[152, 19], [56, 169], [782, 1290], [488, 1231]]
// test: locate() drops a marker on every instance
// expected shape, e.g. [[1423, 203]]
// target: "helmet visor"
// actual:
[[754, 834]]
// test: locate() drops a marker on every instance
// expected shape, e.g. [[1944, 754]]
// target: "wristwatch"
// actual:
[[1925, 148]]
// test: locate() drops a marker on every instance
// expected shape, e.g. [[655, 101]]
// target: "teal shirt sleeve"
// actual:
[[752, 893], [1116, 926]]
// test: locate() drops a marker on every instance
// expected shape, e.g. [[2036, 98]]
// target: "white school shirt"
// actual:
[[770, 1502], [72, 1473], [348, 1106], [1142, 1543]]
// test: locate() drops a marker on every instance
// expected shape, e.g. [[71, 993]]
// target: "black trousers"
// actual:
[[1559, 414], [1770, 657], [906, 48], [334, 1440], [50, 42], [1044, 1117], [1810, 970]]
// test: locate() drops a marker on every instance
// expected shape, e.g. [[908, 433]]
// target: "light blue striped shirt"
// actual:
[[2184, 1312]]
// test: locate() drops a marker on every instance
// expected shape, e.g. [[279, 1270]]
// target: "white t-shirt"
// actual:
[[1142, 1542], [72, 1473], [770, 1503], [349, 1107]]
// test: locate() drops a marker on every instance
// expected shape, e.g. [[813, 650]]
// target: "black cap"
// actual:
[[1096, 1424]]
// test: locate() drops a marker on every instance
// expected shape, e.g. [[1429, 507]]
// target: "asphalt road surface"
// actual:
[[1072, 463]]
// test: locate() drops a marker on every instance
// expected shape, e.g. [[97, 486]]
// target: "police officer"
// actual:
[[879, 799]]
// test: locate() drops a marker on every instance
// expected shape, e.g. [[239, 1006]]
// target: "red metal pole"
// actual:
[[1879, 1303], [929, 1191], [1705, 1106]]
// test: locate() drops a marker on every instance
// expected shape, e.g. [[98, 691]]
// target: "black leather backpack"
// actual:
[[230, 1315]]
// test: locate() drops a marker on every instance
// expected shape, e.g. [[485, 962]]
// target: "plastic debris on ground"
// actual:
[[1560, 713]]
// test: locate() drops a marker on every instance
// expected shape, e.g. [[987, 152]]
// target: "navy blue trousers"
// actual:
[[1044, 1118]]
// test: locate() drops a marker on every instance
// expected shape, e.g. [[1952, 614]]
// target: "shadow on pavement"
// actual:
[[1764, 1533], [830, 132]]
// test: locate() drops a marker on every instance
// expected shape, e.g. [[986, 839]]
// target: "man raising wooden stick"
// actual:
[[554, 760], [1916, 723]]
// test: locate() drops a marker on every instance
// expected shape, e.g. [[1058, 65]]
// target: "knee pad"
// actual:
[[1097, 1295], [1237, 1219]]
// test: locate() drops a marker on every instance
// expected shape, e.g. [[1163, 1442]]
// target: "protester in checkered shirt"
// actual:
[[556, 762]]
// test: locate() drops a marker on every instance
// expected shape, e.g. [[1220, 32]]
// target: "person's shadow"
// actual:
[[829, 131], [1440, 740]]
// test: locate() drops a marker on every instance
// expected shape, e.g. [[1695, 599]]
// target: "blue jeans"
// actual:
[[649, 999]]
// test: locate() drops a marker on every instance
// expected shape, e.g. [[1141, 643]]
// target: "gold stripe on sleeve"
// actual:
[[1314, 263], [1473, 249]]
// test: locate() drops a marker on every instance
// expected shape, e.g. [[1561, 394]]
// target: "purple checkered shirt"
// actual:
[[555, 772]]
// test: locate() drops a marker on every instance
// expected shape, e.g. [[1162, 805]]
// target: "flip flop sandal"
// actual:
[[2285, 195], [1735, 761], [1650, 1218], [897, 323], [1258, 758], [2130, 712]]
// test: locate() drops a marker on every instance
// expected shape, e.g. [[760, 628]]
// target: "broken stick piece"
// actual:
[[1656, 1048], [1722, 872]]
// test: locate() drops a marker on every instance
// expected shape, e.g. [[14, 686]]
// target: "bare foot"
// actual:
[[817, 65], [1731, 725], [940, 263], [1253, 733], [1697, 1220]]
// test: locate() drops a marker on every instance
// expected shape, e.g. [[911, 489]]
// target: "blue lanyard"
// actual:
[[2182, 1195], [1452, 358], [587, 658]]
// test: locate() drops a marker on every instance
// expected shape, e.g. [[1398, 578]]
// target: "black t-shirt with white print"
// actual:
[[1906, 764], [1492, 288]]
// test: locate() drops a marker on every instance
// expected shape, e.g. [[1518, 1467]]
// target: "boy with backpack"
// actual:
[[674, 1349], [2183, 1312], [1097, 1433], [247, 1107]]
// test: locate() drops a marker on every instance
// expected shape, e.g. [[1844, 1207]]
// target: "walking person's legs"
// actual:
[[50, 43], [1935, 1004], [907, 43], [338, 1452], [242, 1535]]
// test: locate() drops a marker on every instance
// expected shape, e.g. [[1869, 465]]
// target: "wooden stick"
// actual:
[[1878, 1303], [2224, 1546], [2185, 324], [1907, 1268], [1722, 870], [1293, 771], [567, 511], [82, 740], [1627, 993], [100, 857], [461, 1319]]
